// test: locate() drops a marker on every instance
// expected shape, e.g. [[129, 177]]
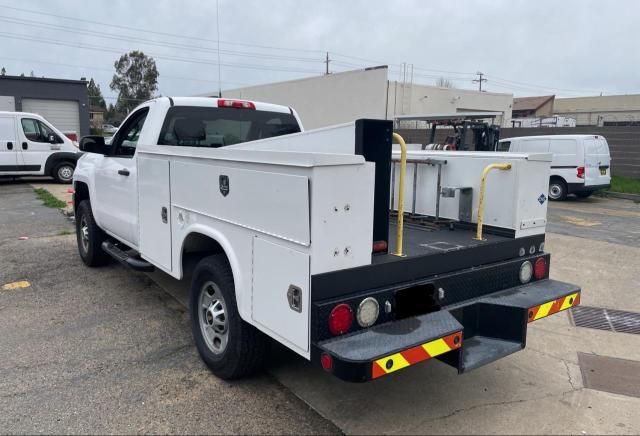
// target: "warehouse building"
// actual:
[[610, 110], [64, 103], [536, 107], [343, 97]]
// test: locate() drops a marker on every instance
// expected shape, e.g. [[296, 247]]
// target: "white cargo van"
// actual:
[[581, 163], [31, 146]]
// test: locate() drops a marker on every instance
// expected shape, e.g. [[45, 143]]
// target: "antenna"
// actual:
[[218, 38]]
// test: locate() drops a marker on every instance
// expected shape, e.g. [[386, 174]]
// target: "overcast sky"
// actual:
[[567, 48]]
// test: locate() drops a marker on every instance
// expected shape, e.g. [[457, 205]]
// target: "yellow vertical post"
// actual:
[[483, 187], [403, 172]]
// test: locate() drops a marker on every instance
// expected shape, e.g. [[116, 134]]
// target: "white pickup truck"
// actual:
[[284, 235]]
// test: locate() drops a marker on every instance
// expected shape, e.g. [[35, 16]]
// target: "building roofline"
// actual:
[[45, 79]]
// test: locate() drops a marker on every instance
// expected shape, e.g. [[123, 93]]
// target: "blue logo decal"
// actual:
[[542, 199]]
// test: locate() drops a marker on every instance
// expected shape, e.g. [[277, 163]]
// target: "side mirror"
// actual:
[[53, 139], [94, 144]]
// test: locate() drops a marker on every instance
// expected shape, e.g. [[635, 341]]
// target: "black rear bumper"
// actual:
[[465, 336]]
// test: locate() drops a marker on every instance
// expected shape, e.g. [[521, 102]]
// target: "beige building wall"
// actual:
[[594, 111], [343, 97], [422, 99], [326, 100]]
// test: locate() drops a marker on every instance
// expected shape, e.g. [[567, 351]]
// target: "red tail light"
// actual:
[[236, 104], [340, 319], [326, 361], [580, 172], [540, 268]]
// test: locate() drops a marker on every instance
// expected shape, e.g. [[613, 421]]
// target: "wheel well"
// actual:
[[81, 192], [558, 178], [56, 158], [195, 247]]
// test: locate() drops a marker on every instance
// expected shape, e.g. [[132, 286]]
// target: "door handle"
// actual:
[[9, 145], [25, 145], [123, 172]]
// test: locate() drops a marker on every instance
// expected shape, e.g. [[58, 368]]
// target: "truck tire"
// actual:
[[229, 346], [89, 236], [63, 172], [557, 190]]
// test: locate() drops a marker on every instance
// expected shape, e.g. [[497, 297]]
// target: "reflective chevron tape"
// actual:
[[416, 354], [554, 306]]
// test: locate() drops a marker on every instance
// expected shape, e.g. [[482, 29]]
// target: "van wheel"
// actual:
[[89, 236], [557, 190], [585, 194], [63, 172], [229, 346]]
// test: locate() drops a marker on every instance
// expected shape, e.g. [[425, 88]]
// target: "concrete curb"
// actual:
[[632, 197]]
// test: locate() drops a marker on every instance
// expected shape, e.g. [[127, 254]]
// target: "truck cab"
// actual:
[[303, 237], [31, 146]]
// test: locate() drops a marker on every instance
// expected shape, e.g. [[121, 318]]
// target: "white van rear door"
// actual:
[[596, 162], [8, 144]]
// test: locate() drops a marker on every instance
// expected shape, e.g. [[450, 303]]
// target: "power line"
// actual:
[[148, 31], [479, 80], [155, 55]]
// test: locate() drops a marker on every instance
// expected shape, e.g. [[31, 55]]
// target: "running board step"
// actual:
[[132, 262]]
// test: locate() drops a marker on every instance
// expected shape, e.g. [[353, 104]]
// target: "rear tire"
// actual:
[[229, 346], [63, 172], [557, 190], [89, 236], [585, 194]]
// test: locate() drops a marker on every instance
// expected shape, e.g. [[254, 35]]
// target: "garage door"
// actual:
[[64, 115], [7, 103]]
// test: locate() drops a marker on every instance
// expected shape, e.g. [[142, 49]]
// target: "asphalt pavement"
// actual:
[[106, 350]]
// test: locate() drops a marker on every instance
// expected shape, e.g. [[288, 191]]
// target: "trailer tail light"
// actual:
[[340, 319], [580, 173], [540, 268], [236, 104], [327, 362]]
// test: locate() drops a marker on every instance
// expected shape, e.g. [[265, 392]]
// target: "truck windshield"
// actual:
[[190, 126]]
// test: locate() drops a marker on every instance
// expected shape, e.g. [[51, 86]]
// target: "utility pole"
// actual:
[[218, 36], [479, 80], [326, 61]]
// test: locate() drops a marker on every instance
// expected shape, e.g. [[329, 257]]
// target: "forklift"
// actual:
[[486, 134]]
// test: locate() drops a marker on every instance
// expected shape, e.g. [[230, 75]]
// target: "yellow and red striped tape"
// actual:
[[416, 354], [554, 306]]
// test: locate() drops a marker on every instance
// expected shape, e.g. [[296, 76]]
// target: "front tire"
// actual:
[[89, 236], [63, 172], [557, 190], [229, 346]]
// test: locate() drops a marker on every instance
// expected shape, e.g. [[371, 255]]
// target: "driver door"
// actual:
[[116, 182], [34, 146]]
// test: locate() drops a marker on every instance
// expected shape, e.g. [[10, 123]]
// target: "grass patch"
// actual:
[[625, 184], [48, 199], [65, 232]]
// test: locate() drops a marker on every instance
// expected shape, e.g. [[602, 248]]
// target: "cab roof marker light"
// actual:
[[236, 104]]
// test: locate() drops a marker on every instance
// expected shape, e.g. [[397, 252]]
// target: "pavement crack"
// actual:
[[568, 369]]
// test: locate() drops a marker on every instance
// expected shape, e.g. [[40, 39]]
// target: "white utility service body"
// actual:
[[290, 235], [31, 146]]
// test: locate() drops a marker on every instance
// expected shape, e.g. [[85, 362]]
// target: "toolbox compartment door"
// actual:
[[280, 274], [154, 210]]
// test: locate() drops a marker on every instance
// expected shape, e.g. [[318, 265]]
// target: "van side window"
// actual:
[[37, 131], [503, 146]]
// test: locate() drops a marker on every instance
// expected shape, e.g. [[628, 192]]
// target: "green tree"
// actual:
[[95, 94], [136, 79], [3, 72]]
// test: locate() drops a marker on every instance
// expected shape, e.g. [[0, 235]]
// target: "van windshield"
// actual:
[[218, 127], [503, 146]]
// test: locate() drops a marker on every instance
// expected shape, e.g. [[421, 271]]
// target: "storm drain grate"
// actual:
[[606, 319]]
